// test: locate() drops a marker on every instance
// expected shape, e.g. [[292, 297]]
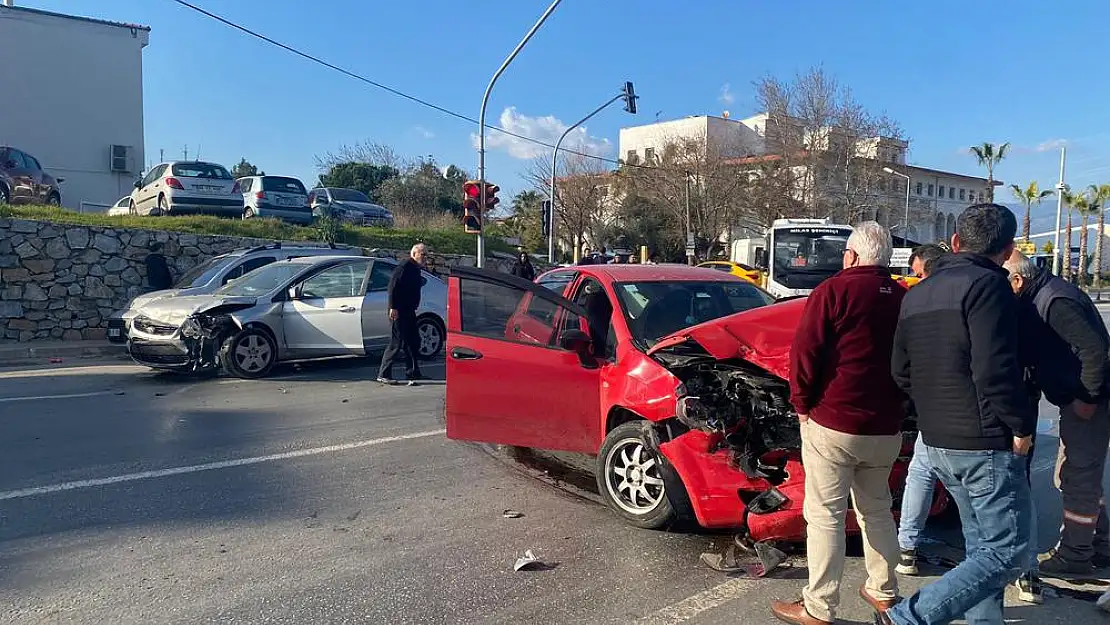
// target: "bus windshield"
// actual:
[[804, 256]]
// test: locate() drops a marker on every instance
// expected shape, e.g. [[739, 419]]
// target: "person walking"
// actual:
[[851, 414], [158, 276], [1071, 370], [523, 268], [404, 299], [956, 355]]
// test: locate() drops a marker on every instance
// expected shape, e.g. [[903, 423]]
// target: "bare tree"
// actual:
[[364, 152], [584, 207]]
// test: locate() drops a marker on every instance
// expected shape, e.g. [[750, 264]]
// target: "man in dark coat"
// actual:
[[404, 299], [158, 275], [523, 267]]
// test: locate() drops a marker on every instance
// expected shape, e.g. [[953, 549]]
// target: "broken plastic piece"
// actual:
[[512, 514], [55, 361], [769, 556], [738, 558], [528, 561], [767, 501]]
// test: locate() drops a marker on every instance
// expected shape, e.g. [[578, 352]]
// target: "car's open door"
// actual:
[[517, 388]]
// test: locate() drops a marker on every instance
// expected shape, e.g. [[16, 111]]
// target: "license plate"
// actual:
[[287, 201], [206, 189], [114, 332]]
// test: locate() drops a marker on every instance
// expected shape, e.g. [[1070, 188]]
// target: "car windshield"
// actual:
[[654, 310], [805, 256], [282, 185], [263, 280], [348, 195], [200, 170], [201, 274]]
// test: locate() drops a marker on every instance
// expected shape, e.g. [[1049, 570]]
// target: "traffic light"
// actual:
[[491, 196], [629, 98], [472, 211], [545, 218]]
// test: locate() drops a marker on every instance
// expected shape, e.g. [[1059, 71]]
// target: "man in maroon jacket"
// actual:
[[851, 414]]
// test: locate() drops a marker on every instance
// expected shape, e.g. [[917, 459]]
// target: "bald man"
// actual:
[[404, 299]]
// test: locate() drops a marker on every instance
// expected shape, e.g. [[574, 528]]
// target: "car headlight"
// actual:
[[190, 328]]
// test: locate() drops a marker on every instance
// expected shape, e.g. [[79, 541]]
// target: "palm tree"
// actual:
[[989, 155], [1100, 196], [1089, 207], [1027, 196], [1075, 202]]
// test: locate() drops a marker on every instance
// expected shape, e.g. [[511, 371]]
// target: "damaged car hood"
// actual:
[[174, 310], [761, 336]]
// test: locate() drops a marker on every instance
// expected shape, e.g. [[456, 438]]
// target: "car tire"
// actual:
[[630, 479], [432, 335], [163, 208], [54, 200], [249, 213], [5, 195], [249, 354], [131, 210]]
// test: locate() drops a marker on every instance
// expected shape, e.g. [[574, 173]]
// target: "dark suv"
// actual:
[[22, 180]]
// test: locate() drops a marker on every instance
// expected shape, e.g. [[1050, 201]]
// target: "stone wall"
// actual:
[[60, 281]]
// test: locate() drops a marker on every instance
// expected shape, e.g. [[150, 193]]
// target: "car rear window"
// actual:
[[282, 185], [200, 170], [349, 195]]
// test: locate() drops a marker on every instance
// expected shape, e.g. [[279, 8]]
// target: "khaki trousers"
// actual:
[[838, 465]]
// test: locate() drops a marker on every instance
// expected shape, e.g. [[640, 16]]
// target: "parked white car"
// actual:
[[282, 197], [122, 207], [187, 187]]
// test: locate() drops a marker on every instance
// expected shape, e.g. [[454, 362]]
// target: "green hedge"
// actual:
[[441, 241]]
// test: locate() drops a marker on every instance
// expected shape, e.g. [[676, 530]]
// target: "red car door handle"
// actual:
[[462, 353]]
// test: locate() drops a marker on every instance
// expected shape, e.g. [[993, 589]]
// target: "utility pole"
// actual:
[[1060, 188], [690, 249], [481, 260]]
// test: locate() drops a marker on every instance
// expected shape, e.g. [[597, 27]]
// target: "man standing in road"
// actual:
[[956, 355], [404, 299], [851, 414], [1072, 371]]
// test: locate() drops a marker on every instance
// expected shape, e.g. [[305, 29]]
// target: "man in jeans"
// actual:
[[851, 414], [956, 355]]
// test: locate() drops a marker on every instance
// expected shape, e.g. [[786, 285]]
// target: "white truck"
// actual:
[[795, 255]]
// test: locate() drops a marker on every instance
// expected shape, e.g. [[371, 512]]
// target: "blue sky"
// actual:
[[952, 73]]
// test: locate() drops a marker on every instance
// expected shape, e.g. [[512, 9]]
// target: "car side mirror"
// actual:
[[579, 342], [138, 184], [291, 294], [761, 259]]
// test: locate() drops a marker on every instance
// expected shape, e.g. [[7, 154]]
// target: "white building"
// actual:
[[72, 97], [723, 137]]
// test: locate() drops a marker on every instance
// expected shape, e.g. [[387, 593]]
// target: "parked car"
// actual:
[[215, 272], [350, 205], [275, 196], [296, 309], [22, 180], [187, 187], [121, 207], [751, 274], [674, 377]]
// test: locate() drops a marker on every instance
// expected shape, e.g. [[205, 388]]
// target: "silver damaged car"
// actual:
[[297, 309]]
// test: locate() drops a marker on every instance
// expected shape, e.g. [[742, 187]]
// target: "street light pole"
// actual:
[[554, 167], [1060, 188], [691, 253], [906, 220], [481, 260]]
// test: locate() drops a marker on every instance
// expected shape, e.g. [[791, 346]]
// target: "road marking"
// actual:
[[67, 396], [694, 605], [210, 466], [55, 371]]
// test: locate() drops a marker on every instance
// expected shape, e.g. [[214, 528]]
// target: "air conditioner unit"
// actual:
[[122, 159]]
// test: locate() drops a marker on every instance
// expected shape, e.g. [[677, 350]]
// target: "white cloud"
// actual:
[[547, 129], [726, 96], [424, 132], [1050, 145]]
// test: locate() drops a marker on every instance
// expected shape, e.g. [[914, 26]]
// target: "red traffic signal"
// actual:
[[472, 210]]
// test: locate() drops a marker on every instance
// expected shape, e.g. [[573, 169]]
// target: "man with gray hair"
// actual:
[[404, 298], [1071, 365], [851, 414]]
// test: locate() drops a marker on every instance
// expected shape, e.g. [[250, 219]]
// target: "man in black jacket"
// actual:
[[158, 275], [1072, 362], [956, 355], [404, 299]]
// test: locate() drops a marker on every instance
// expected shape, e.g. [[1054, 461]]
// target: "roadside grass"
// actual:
[[439, 239]]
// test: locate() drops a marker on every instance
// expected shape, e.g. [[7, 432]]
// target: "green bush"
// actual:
[[453, 241]]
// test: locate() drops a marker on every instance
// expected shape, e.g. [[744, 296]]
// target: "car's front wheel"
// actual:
[[431, 335], [5, 197], [630, 479], [250, 354], [248, 213], [54, 200]]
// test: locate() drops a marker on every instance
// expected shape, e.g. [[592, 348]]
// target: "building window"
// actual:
[[631, 156], [963, 194], [940, 191], [649, 155], [951, 193], [919, 188], [930, 190]]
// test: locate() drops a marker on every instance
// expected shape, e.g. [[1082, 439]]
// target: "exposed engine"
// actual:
[[203, 334], [749, 407]]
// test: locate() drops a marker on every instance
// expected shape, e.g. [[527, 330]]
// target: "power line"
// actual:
[[387, 88]]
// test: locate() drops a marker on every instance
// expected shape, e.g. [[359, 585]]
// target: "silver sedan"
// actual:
[[297, 309]]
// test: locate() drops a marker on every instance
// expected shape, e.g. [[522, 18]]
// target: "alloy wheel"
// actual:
[[252, 354], [431, 339], [632, 477]]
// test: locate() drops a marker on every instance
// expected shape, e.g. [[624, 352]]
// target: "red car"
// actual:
[[673, 376]]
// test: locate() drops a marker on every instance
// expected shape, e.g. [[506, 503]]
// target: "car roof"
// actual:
[[649, 273], [308, 260]]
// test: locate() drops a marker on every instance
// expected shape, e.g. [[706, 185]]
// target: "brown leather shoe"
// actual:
[[795, 612], [879, 605]]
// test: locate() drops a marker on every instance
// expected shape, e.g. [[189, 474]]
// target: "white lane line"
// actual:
[[210, 466], [67, 396], [694, 605]]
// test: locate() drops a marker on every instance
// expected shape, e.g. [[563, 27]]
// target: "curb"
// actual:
[[57, 353]]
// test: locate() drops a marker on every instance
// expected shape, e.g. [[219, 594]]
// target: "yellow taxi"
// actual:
[[751, 274]]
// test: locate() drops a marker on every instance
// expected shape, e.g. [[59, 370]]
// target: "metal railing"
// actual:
[[81, 207]]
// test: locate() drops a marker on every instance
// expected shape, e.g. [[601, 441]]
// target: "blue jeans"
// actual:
[[991, 490], [917, 499]]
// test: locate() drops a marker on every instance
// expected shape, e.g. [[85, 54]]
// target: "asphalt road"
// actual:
[[319, 497]]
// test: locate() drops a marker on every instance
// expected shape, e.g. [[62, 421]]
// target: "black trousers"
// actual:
[[403, 339]]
